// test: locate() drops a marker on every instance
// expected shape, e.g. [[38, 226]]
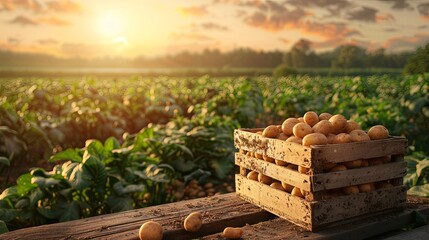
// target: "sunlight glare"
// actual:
[[110, 25]]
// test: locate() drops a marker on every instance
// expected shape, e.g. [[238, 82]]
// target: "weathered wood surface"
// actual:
[[277, 172], [313, 215], [314, 156], [218, 212]]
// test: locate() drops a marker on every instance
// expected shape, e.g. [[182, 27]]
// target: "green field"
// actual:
[[151, 136]]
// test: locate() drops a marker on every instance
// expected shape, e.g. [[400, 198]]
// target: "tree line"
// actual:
[[301, 55]]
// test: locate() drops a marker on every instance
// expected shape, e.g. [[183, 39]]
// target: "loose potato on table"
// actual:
[[193, 222], [151, 230], [232, 233]]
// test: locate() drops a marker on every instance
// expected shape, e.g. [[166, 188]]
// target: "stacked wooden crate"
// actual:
[[322, 202]]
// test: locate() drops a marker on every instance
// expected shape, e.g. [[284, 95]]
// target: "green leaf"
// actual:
[[98, 173], [3, 227], [35, 197], [111, 144], [222, 167], [49, 212], [119, 204], [9, 192], [96, 149], [422, 190], [4, 161], [24, 184], [183, 166], [421, 166], [80, 178], [132, 188], [71, 211], [69, 154]]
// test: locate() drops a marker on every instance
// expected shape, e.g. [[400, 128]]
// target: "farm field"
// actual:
[[78, 147]]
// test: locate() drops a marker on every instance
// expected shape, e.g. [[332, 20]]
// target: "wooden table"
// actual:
[[225, 210]]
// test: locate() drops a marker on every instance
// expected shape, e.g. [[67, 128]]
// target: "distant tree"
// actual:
[[301, 55], [350, 56], [419, 62]]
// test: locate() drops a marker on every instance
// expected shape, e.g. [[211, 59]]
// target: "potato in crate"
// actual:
[[321, 169]]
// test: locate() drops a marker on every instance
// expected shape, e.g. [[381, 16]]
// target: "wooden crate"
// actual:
[[320, 207]]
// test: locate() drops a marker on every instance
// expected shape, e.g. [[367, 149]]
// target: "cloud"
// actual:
[[422, 27], [284, 40], [24, 21], [407, 43], [47, 41], [14, 41], [338, 4], [209, 26], [364, 14], [423, 9], [399, 4], [330, 30], [12, 5], [391, 29], [190, 36], [275, 21], [194, 11], [53, 21], [64, 6]]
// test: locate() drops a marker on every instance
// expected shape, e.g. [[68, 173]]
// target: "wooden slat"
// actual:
[[290, 152], [275, 201], [218, 212], [358, 150], [362, 228], [357, 176], [344, 207], [280, 173]]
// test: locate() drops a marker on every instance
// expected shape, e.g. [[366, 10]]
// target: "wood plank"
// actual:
[[344, 207], [357, 176], [290, 152], [362, 228], [275, 201], [272, 170], [358, 150], [217, 211], [421, 233]]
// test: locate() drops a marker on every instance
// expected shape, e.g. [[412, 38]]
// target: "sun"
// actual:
[[111, 25]]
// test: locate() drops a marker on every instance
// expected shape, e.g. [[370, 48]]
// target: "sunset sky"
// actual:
[[130, 28]]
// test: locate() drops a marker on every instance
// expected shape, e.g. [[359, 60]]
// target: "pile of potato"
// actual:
[[314, 129]]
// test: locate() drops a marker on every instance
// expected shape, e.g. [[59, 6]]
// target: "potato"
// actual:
[[341, 138], [258, 156], [303, 169], [339, 123], [253, 175], [314, 139], [350, 190], [352, 125], [378, 132], [327, 166], [375, 161], [193, 222], [281, 163], [297, 192], [323, 127], [311, 118], [353, 164], [277, 185], [301, 129], [294, 139], [264, 179], [282, 136], [250, 154], [232, 233], [338, 168], [330, 137], [292, 166], [386, 159], [151, 230], [359, 136], [365, 163], [301, 119], [271, 131], [324, 116], [287, 187], [366, 187], [268, 159], [288, 124]]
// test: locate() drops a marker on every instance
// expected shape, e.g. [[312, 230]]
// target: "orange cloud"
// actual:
[[64, 6], [330, 30], [47, 41], [192, 36], [12, 5], [194, 11], [385, 17], [277, 21], [27, 21], [407, 42], [23, 20]]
